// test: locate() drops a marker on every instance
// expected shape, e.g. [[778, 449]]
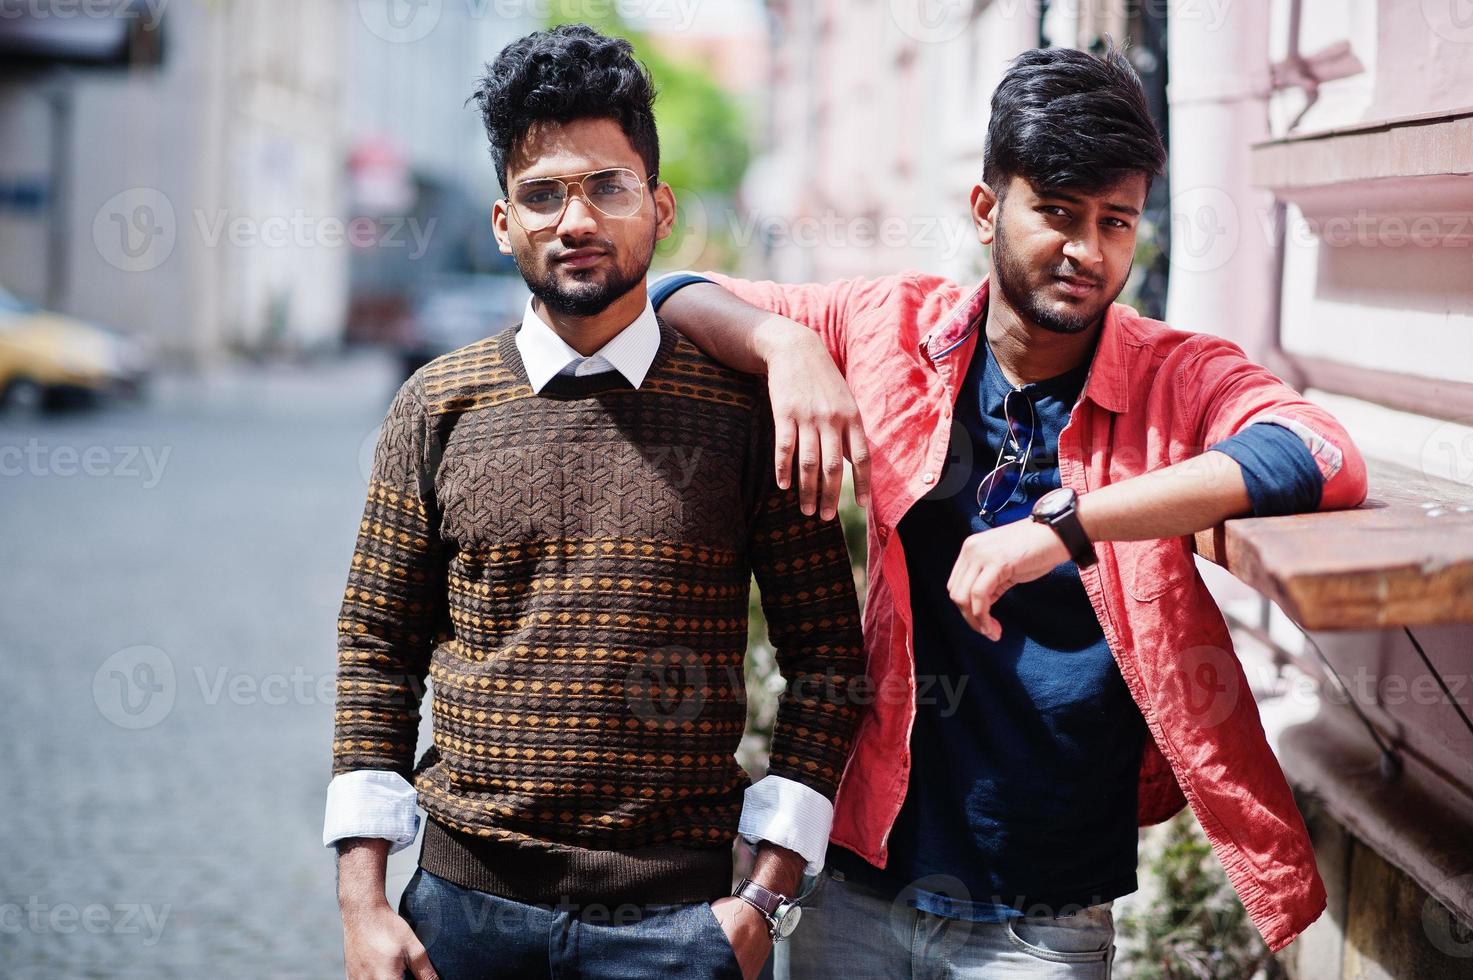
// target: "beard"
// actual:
[[584, 292], [1012, 276]]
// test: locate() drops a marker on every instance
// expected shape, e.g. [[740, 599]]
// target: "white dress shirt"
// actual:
[[630, 351], [379, 803]]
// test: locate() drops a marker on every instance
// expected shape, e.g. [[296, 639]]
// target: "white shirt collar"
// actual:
[[630, 352]]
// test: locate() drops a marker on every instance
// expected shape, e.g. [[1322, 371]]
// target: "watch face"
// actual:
[[787, 920], [1053, 503]]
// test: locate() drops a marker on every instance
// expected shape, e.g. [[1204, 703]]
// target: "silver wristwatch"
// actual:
[[782, 913]]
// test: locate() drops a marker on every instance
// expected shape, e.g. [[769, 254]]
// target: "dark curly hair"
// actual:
[[569, 72], [1066, 118]]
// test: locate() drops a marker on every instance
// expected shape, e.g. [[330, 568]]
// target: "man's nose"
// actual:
[[1083, 248], [578, 216]]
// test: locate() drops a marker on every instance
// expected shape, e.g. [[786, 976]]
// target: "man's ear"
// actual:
[[984, 212], [499, 216], [664, 199]]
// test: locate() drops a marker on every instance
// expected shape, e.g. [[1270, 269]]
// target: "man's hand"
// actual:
[[747, 929], [814, 416], [748, 932], [814, 413], [379, 945], [995, 560]]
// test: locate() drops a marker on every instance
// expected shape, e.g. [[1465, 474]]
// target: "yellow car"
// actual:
[[48, 360]]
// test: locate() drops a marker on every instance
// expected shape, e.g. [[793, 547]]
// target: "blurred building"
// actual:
[[180, 169], [728, 40], [419, 168], [183, 196], [1317, 211]]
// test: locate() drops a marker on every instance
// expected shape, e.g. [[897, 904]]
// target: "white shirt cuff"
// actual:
[[784, 812], [371, 803]]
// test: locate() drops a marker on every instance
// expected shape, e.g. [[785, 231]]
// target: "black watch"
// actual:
[[781, 912], [1059, 509]]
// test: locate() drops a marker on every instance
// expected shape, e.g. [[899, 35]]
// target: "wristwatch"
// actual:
[[1059, 509], [781, 912]]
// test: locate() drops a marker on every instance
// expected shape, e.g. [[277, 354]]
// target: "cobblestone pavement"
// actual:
[[170, 573]]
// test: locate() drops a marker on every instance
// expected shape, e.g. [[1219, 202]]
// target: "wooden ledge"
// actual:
[[1403, 558], [1413, 822]]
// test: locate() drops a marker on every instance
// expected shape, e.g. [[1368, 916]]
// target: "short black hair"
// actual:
[[569, 72], [1063, 118]]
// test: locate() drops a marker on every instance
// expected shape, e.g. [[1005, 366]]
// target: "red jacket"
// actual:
[[1154, 396]]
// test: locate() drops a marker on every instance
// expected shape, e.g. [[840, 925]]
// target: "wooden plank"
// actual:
[[1403, 558], [1416, 821]]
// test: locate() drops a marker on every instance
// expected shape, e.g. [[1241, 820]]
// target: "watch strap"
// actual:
[[1078, 543], [764, 899], [1071, 531]]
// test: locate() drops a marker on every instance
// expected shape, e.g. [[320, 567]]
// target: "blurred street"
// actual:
[[173, 574]]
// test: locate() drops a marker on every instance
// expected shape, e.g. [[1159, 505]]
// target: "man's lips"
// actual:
[[1075, 286], [580, 258]]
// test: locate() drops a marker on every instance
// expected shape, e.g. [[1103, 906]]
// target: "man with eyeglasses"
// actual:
[[562, 524], [1040, 457]]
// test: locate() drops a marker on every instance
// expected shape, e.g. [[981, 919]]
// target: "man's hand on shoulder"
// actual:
[[816, 420]]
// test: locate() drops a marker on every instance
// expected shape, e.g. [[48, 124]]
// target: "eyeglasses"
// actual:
[[539, 203], [998, 487]]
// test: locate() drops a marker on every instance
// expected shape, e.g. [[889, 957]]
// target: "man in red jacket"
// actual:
[[1048, 669]]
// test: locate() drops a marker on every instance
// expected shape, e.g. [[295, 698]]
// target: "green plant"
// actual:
[[1195, 928]]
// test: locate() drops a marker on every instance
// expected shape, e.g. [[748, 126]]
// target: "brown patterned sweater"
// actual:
[[571, 570]]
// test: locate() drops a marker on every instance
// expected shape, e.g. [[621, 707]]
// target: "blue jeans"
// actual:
[[850, 931], [476, 934]]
